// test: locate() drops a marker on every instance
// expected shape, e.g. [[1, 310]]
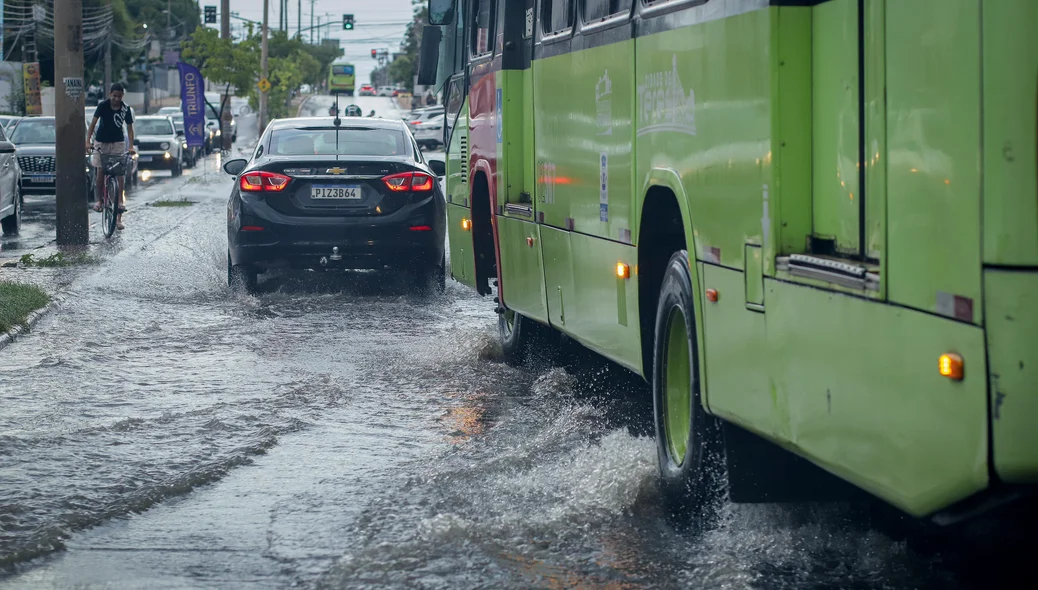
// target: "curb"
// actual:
[[31, 320]]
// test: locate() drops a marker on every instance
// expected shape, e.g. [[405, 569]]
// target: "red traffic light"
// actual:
[[374, 53]]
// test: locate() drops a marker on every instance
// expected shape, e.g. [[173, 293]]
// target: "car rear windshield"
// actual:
[[346, 141], [152, 127], [34, 131]]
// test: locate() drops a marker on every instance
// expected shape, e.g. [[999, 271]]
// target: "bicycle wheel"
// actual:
[[109, 215]]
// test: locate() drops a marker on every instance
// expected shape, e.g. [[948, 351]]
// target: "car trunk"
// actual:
[[337, 187]]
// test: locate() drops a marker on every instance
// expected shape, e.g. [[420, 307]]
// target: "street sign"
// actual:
[[264, 85], [210, 14]]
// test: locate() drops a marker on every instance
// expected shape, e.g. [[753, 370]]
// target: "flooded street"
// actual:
[[343, 431]]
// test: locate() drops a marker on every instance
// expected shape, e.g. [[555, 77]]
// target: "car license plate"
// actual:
[[143, 158], [42, 178], [335, 192]]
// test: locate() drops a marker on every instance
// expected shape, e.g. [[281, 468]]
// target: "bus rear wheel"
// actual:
[[688, 442]]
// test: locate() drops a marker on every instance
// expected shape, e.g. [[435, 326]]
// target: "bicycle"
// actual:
[[114, 168]]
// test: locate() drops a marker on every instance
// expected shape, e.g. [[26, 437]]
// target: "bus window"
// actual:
[[483, 33], [599, 9], [557, 15]]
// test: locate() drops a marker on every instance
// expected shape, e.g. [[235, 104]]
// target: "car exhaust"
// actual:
[[324, 261]]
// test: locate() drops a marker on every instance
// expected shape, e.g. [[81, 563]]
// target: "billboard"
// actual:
[[31, 78]]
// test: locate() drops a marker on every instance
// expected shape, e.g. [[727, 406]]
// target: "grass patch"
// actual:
[[57, 259], [17, 301], [172, 203]]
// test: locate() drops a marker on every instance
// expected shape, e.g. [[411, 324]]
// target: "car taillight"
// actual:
[[418, 182], [261, 180]]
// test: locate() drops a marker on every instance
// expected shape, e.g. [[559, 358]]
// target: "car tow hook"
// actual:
[[335, 253], [499, 310]]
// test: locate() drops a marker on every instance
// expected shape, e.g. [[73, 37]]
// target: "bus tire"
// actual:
[[688, 441]]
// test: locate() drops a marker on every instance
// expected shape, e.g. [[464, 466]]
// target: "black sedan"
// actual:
[[325, 194]]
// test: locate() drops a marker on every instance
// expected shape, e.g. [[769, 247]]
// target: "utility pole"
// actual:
[[225, 19], [263, 68], [108, 65], [71, 129], [299, 20], [311, 22], [169, 14]]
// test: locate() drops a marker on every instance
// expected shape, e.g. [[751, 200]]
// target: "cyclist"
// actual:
[[114, 115], [332, 111]]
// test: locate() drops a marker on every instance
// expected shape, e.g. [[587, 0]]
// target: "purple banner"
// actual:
[[192, 102]]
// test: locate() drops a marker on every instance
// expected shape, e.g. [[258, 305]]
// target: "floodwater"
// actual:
[[343, 431]]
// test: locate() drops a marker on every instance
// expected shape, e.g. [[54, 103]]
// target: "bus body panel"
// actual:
[[865, 400], [522, 269], [1010, 132], [736, 371], [934, 160], [463, 267], [584, 137], [836, 103], [1012, 322], [703, 109]]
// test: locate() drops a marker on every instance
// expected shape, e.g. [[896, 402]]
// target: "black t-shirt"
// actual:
[[110, 122]]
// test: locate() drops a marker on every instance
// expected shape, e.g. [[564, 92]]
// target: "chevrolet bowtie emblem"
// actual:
[[335, 171]]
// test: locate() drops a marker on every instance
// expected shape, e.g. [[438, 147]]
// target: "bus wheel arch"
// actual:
[[483, 248], [656, 244]]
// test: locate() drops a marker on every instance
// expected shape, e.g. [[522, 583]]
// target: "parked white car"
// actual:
[[386, 90], [430, 133], [158, 144]]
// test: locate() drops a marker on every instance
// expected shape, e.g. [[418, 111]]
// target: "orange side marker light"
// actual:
[[623, 271], [711, 295], [466, 224], [950, 365]]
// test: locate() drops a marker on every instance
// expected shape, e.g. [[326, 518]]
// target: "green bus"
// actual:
[[341, 78], [811, 225]]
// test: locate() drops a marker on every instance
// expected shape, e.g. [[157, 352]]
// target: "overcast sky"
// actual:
[[369, 16]]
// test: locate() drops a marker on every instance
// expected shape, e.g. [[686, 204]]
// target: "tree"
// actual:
[[402, 70], [223, 61]]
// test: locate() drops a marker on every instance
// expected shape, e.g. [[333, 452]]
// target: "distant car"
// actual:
[[386, 90], [34, 138], [321, 197], [430, 133], [420, 117], [212, 116], [366, 90], [8, 121], [159, 145], [169, 111]]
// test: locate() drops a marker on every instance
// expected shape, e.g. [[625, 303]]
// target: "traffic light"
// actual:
[[210, 14], [347, 22], [374, 54]]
